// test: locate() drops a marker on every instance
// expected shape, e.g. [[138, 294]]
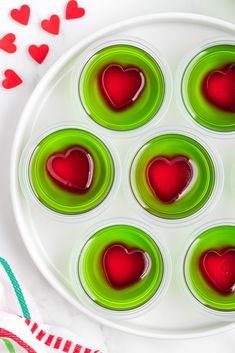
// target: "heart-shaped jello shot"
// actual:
[[120, 268], [219, 88], [209, 268], [71, 171], [218, 269], [168, 177], [172, 176], [122, 87], [124, 267], [208, 87]]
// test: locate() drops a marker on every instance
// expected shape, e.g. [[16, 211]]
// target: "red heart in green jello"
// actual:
[[72, 169], [169, 177], [219, 87], [120, 86], [124, 267], [218, 269]]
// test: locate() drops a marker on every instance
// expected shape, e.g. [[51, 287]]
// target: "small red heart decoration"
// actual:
[[38, 53], [218, 269], [169, 177], [124, 267], [73, 11], [21, 15], [219, 88], [72, 169], [11, 79], [121, 87], [52, 25], [7, 43]]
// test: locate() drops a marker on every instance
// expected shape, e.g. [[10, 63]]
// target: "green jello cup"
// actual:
[[198, 191], [89, 274], [59, 199], [205, 63], [145, 107], [217, 238]]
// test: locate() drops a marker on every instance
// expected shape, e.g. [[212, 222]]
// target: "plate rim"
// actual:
[[68, 55]]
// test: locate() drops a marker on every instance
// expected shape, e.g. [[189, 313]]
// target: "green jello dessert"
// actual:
[[120, 267], [71, 171], [209, 268], [208, 88], [122, 87], [172, 176]]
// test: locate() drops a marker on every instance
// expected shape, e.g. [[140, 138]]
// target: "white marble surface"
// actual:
[[53, 307]]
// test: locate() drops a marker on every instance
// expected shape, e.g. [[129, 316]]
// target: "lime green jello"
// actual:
[[172, 176], [71, 171], [122, 87], [213, 285], [120, 267], [208, 88]]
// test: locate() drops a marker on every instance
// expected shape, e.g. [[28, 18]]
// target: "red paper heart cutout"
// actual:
[[11, 79], [73, 11], [72, 170], [52, 25], [219, 88], [21, 15], [7, 43], [169, 177], [218, 269], [124, 267], [121, 87], [38, 53]]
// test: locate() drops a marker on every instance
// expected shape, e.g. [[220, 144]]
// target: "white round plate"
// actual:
[[49, 240]]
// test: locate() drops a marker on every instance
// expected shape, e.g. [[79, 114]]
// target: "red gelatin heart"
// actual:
[[11, 80], [169, 177], [52, 25], [123, 267], [7, 43], [219, 88], [21, 15], [38, 53], [73, 11], [121, 87], [218, 269], [72, 170]]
